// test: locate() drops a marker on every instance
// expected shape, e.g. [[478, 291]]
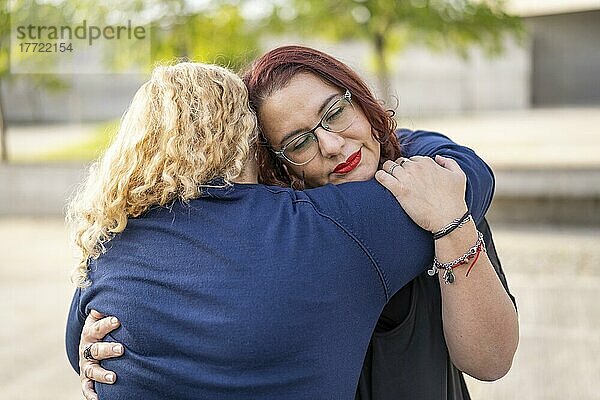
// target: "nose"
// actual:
[[330, 144]]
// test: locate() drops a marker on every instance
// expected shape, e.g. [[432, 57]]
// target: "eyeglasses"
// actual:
[[302, 148]]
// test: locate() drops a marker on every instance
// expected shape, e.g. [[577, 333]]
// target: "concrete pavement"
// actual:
[[534, 139]]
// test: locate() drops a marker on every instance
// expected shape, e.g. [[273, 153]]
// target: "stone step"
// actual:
[[547, 196]]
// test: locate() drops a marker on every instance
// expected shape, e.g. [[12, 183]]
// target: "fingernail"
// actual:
[[118, 349], [114, 320], [109, 377]]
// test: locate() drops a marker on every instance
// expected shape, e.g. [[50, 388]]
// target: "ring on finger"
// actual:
[[403, 161], [87, 353], [391, 171]]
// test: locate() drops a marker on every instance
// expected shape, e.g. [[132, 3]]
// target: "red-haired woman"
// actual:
[[428, 332]]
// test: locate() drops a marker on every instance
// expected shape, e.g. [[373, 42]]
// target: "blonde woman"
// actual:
[[227, 289]]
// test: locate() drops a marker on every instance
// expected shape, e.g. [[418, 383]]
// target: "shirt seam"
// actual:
[[364, 248]]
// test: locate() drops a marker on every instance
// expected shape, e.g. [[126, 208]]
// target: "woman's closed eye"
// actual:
[[334, 114], [301, 142]]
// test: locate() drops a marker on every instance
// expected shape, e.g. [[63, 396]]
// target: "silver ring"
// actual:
[[391, 172], [87, 353], [403, 161]]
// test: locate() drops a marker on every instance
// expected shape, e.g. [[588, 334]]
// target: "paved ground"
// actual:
[[555, 275], [27, 141], [540, 138]]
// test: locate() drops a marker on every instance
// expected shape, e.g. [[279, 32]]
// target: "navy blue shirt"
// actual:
[[255, 291]]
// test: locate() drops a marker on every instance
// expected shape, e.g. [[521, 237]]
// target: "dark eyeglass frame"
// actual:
[[280, 153]]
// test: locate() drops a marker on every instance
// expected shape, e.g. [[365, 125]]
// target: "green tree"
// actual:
[[216, 33], [389, 26], [213, 31], [209, 31], [48, 12], [4, 32]]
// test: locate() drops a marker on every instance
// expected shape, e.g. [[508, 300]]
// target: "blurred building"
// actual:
[[565, 54], [558, 65]]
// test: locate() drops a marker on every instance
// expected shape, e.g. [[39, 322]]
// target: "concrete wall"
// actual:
[[87, 98], [37, 190], [441, 83], [430, 83], [566, 59]]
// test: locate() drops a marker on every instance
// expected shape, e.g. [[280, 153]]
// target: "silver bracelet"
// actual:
[[455, 224], [447, 267]]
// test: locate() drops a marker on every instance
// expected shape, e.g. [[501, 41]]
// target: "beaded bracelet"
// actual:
[[473, 252], [455, 224]]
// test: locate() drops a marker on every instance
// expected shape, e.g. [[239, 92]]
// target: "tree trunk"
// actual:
[[3, 148], [383, 73]]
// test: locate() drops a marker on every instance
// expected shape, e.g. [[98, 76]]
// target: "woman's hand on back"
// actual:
[[432, 192], [95, 328]]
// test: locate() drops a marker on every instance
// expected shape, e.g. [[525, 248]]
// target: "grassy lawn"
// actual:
[[83, 150]]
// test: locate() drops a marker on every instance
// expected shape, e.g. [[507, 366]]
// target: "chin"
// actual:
[[365, 173], [361, 177], [357, 175]]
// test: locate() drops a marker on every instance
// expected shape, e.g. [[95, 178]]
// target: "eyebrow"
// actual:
[[319, 112]]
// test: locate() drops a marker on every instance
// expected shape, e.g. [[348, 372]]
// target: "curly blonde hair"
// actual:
[[189, 124]]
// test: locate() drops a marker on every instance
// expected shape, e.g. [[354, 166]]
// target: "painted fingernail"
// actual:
[[109, 377], [118, 349], [114, 320]]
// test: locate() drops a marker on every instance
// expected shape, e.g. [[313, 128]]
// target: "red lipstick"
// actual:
[[348, 165]]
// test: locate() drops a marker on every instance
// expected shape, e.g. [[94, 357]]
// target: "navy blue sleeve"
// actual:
[[397, 247], [75, 323], [480, 178]]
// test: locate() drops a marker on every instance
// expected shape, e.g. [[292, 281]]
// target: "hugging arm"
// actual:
[[83, 332], [479, 318], [480, 179]]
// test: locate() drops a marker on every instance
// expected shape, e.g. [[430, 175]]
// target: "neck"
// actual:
[[249, 172]]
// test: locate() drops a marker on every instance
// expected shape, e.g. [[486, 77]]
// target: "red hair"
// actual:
[[276, 68]]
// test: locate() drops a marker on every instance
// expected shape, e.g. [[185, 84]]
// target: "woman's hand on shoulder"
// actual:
[[432, 192], [95, 328]]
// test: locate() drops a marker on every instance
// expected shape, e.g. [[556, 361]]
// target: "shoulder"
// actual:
[[420, 141]]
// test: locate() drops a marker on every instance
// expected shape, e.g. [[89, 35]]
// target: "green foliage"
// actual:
[[23, 13], [453, 25], [4, 32], [220, 31], [213, 31], [389, 26], [218, 34], [87, 150]]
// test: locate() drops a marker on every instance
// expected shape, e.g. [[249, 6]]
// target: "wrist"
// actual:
[[457, 216], [455, 242], [448, 217], [453, 251]]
